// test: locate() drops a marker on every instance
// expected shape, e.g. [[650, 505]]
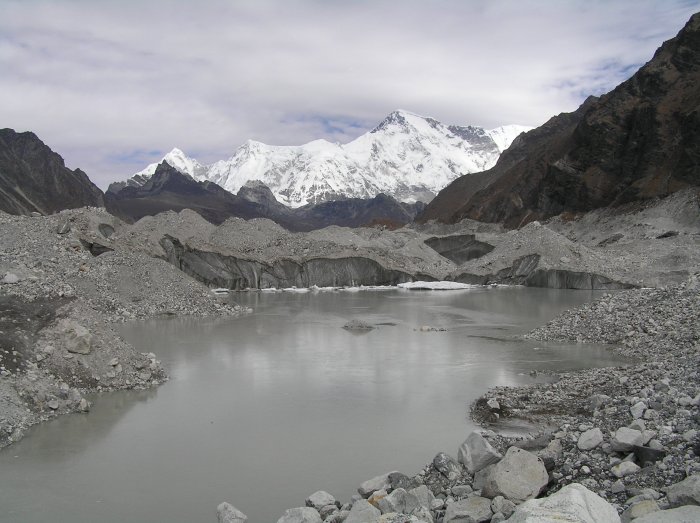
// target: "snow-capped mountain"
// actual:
[[407, 156]]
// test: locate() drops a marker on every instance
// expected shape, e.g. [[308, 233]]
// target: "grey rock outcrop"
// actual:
[[381, 482], [447, 466], [476, 453], [399, 501], [519, 476], [320, 499]]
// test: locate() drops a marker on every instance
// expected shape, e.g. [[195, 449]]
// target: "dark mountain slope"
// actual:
[[33, 178], [640, 141]]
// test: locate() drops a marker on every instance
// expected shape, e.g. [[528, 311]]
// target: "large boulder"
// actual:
[[687, 514], [381, 482], [424, 496], [590, 439], [572, 504], [447, 466], [626, 438], [687, 492], [399, 501], [300, 515], [476, 453], [519, 476], [471, 510], [227, 513], [320, 499], [76, 337], [362, 512]]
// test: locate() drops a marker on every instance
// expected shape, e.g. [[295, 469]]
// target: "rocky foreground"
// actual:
[[617, 444]]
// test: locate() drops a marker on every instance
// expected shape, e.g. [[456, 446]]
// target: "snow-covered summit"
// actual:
[[407, 156]]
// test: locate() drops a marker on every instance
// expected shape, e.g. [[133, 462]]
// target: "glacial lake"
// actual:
[[263, 410]]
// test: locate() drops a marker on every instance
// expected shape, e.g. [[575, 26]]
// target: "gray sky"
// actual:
[[114, 85]]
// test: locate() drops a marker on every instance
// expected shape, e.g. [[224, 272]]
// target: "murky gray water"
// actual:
[[263, 410]]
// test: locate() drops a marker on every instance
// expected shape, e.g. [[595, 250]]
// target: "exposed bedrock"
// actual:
[[459, 248], [526, 271], [222, 270]]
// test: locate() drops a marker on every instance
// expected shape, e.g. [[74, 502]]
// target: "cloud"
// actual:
[[109, 83]]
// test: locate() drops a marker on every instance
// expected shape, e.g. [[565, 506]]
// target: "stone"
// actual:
[[380, 482], [599, 400], [424, 496], [77, 338], [551, 454], [501, 505], [10, 278], [394, 517], [690, 435], [687, 514], [376, 496], [519, 476], [618, 487], [423, 514], [398, 501], [358, 325], [493, 404], [63, 227], [53, 404], [227, 513], [639, 509], [590, 439], [447, 466], [574, 503], [459, 491], [302, 515], [481, 477], [362, 512], [647, 455], [476, 453], [626, 438], [319, 499], [637, 410], [399, 480], [686, 492], [327, 511], [470, 510], [337, 517], [624, 469]]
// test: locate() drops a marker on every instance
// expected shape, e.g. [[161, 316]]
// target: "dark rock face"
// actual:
[[33, 178], [640, 141], [219, 270], [526, 271], [459, 248], [170, 190]]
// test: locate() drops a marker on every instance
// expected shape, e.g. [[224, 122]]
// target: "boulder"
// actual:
[[574, 503], [63, 227], [327, 511], [501, 505], [376, 496], [380, 482], [320, 499], [639, 509], [687, 492], [227, 513], [398, 501], [10, 278], [362, 512], [77, 338], [337, 517], [300, 515], [394, 517], [637, 410], [519, 476], [687, 514], [626, 438], [470, 510], [590, 439], [647, 455], [424, 496], [476, 453], [447, 466], [399, 480], [481, 477], [625, 469]]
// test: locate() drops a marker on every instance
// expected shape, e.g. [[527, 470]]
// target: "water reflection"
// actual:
[[265, 409]]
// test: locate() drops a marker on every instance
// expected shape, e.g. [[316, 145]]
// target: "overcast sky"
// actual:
[[114, 85]]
